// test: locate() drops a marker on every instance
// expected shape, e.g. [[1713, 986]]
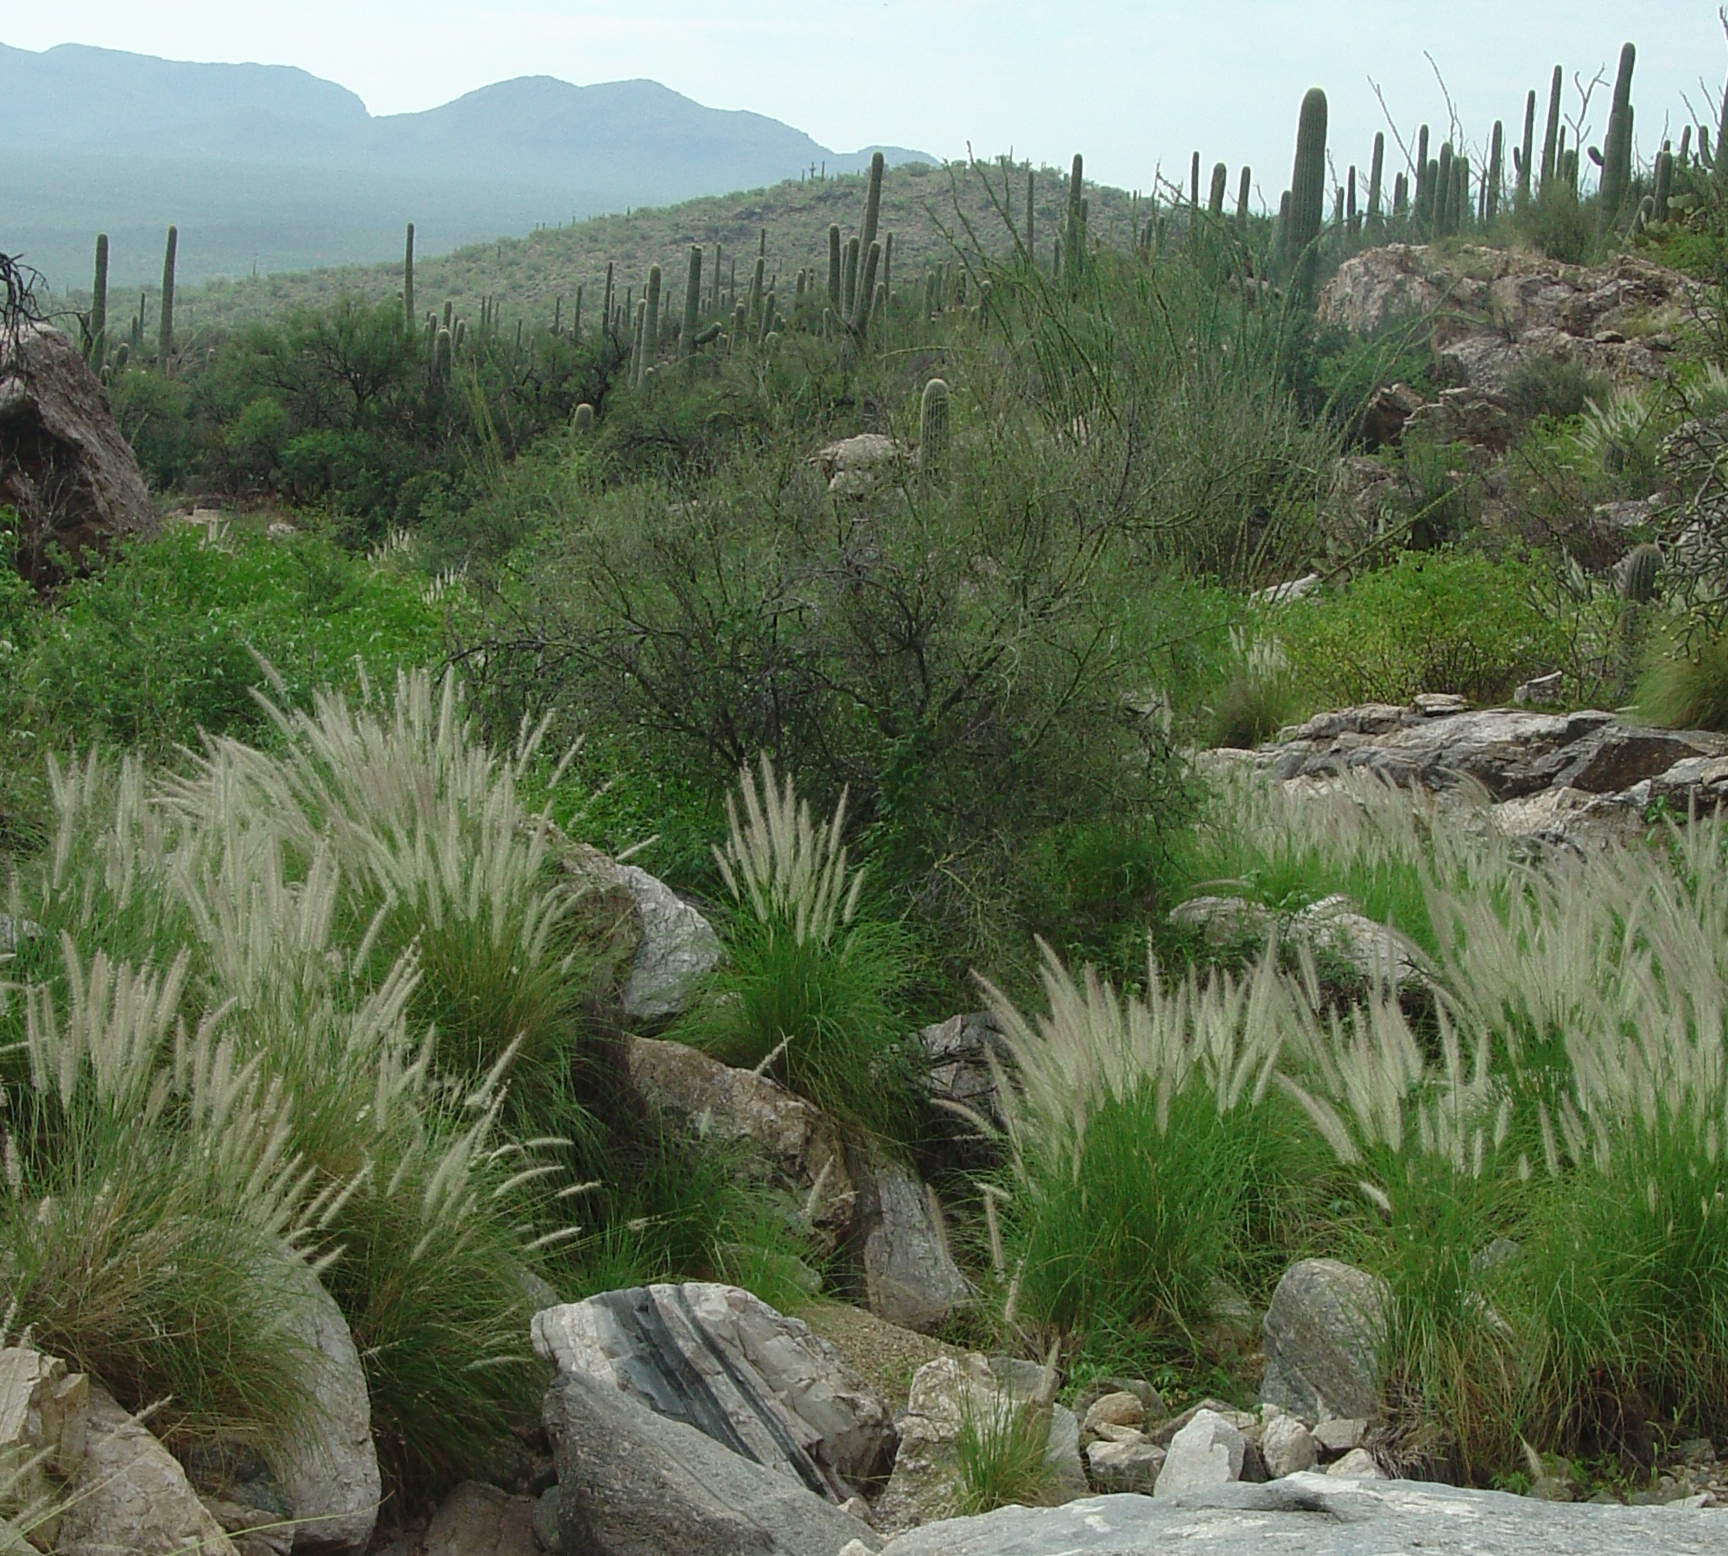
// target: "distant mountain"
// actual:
[[258, 163]]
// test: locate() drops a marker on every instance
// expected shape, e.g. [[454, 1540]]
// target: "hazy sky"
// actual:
[[1130, 84]]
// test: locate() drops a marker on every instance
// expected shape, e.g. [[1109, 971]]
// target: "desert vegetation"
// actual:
[[301, 971]]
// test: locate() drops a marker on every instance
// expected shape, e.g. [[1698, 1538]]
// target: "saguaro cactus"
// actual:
[[834, 280], [933, 427], [692, 303], [1664, 184], [651, 328], [609, 306], [1496, 172], [1243, 190], [867, 291], [1031, 222], [1528, 149], [409, 316], [1074, 240], [165, 329], [1376, 184], [1617, 149], [98, 353], [1308, 188], [872, 204], [583, 420], [1220, 183], [1641, 573], [1551, 136]]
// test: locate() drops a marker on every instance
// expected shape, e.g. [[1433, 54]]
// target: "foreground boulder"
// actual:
[[1317, 1515], [910, 1277], [677, 950], [64, 467], [633, 1483], [949, 1394], [722, 1361], [786, 1141], [1322, 1337], [131, 1495]]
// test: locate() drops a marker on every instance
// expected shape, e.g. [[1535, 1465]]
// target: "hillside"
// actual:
[[528, 275], [268, 156]]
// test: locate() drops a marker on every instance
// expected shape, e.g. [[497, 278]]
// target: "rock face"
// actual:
[[1209, 1451], [945, 1395], [1322, 1341], [910, 1278], [787, 1142], [477, 1520], [131, 1495], [958, 1053], [1318, 1516], [330, 1471], [64, 466], [725, 1363], [678, 949], [632, 1483]]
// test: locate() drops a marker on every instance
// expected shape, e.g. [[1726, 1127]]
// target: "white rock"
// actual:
[[1207, 1452], [1286, 1446], [1339, 1434], [679, 949], [1357, 1464], [1119, 1409]]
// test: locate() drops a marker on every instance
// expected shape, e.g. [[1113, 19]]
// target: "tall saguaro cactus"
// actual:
[[872, 203], [867, 291], [1308, 188], [692, 304], [1377, 184], [1074, 240], [410, 318], [1617, 150], [1220, 183], [99, 305], [834, 268], [1528, 149], [1551, 137], [1031, 222], [165, 329], [1496, 172], [651, 329]]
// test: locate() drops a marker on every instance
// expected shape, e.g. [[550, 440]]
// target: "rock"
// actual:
[[1119, 1409], [945, 1394], [1357, 1464], [1339, 1434], [1440, 705], [633, 1483], [957, 1073], [1465, 415], [1571, 818], [1318, 1516], [131, 1495], [1614, 758], [1390, 409], [1541, 692], [603, 909], [66, 470], [479, 1520], [1208, 1451], [1378, 954], [1150, 1399], [857, 466], [44, 1422], [1286, 1447], [679, 949], [253, 1530], [1165, 1432], [546, 1520], [1225, 921], [1322, 1341], [910, 1278], [725, 1363], [1284, 593], [1694, 782], [329, 1471], [787, 1142], [1125, 1466], [15, 931]]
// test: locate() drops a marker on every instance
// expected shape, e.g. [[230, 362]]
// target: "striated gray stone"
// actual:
[[481, 1520], [1313, 1515], [632, 1483], [957, 1069], [1208, 1451], [724, 1362], [1322, 1341], [910, 1278], [678, 949], [1339, 1434]]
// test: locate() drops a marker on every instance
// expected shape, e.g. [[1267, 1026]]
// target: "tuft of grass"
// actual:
[[1684, 681], [1000, 1455]]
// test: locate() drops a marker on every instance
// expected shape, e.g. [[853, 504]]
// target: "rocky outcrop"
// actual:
[[1323, 1334], [633, 1483], [131, 1495], [64, 467], [785, 1142], [910, 1278], [678, 949], [720, 1360], [947, 1395], [1320, 1516], [858, 466]]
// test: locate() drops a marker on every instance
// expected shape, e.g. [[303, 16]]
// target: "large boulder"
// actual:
[[64, 467], [786, 1142], [1318, 1516], [1209, 1451], [910, 1277], [677, 951], [131, 1495], [633, 1483], [1322, 1335], [946, 1395], [958, 1072], [724, 1362]]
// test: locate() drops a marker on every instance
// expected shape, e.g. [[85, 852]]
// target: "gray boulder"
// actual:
[[1318, 1516], [1208, 1451], [958, 1054], [1322, 1338], [131, 1495], [1286, 1446], [632, 1483], [722, 1361], [480, 1520], [678, 949], [910, 1278], [1127, 1465], [786, 1142]]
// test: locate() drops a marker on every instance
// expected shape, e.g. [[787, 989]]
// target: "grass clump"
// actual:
[[1000, 1454], [810, 987], [1684, 680]]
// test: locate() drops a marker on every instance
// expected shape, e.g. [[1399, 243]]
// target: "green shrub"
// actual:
[[1684, 680], [1450, 622], [1000, 1455]]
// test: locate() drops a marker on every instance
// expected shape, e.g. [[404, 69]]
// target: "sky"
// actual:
[[1134, 86]]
